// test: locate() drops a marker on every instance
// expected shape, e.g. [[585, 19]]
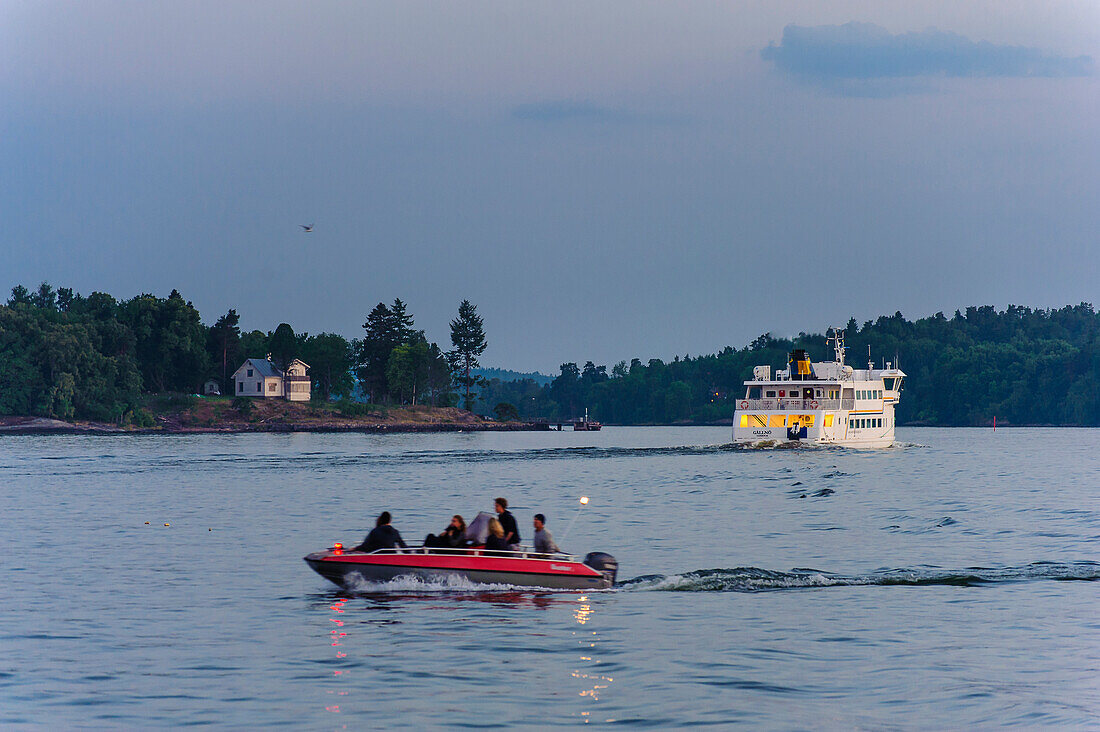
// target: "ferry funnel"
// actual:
[[799, 363]]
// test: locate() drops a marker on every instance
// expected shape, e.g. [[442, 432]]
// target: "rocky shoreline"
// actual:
[[46, 426]]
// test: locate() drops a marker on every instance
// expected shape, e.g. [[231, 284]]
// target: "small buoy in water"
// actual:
[[209, 529], [146, 523], [166, 524]]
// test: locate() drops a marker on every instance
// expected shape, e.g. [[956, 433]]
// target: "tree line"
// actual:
[[1022, 365], [66, 355]]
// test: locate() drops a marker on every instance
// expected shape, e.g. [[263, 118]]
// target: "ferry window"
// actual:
[[889, 384], [754, 392], [744, 420], [828, 420], [769, 393]]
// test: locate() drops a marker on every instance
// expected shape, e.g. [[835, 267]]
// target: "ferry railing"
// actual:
[[523, 553], [790, 405]]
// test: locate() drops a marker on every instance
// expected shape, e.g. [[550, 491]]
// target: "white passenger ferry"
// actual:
[[819, 403]]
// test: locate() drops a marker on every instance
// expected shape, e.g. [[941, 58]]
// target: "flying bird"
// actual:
[[307, 229]]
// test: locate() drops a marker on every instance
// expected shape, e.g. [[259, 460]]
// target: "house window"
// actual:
[[250, 373], [259, 386], [271, 386], [240, 386]]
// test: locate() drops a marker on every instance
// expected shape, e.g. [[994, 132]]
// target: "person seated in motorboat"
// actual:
[[382, 536], [544, 540], [452, 537], [495, 541], [508, 522]]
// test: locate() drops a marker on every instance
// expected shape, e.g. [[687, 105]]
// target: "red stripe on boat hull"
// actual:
[[339, 568]]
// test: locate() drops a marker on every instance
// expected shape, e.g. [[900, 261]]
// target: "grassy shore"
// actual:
[[185, 414]]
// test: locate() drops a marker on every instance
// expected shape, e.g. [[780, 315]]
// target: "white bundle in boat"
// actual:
[[477, 531]]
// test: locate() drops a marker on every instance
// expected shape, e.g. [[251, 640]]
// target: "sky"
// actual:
[[603, 180]]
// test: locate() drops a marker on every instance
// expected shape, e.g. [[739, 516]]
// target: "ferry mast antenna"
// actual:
[[838, 345]]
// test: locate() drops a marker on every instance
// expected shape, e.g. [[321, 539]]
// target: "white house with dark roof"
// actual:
[[259, 377]]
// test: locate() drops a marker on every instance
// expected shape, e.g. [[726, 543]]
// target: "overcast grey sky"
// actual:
[[604, 180]]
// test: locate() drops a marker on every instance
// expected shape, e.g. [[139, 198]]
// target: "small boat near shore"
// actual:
[[586, 424], [515, 568]]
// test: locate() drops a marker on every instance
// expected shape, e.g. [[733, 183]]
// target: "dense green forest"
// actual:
[[1022, 365], [66, 355]]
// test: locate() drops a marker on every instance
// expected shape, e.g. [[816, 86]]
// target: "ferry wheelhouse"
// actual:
[[819, 403]]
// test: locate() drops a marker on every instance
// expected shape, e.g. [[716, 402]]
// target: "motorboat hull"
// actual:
[[348, 569]]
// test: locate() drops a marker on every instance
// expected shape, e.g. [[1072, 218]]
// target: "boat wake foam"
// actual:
[[412, 584], [753, 579]]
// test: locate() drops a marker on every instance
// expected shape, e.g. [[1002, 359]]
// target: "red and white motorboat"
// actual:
[[517, 568]]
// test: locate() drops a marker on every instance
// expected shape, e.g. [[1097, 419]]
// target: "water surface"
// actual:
[[948, 582]]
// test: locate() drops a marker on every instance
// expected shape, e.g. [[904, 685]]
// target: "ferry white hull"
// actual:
[[839, 434]]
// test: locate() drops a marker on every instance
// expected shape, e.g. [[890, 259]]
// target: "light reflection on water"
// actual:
[[948, 585]]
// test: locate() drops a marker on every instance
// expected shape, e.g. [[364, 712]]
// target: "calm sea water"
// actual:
[[951, 581]]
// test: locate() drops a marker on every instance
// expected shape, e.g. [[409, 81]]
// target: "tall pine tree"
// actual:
[[224, 346], [468, 339]]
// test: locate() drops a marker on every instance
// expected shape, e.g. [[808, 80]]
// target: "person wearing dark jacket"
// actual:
[[496, 541], [452, 537], [507, 522], [382, 536]]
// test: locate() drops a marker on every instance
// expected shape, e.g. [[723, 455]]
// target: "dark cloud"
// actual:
[[863, 51]]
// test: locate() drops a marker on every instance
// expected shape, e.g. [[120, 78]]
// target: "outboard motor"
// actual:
[[603, 563]]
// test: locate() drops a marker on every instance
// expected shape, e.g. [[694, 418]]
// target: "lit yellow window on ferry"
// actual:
[[744, 420], [778, 420], [828, 420]]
